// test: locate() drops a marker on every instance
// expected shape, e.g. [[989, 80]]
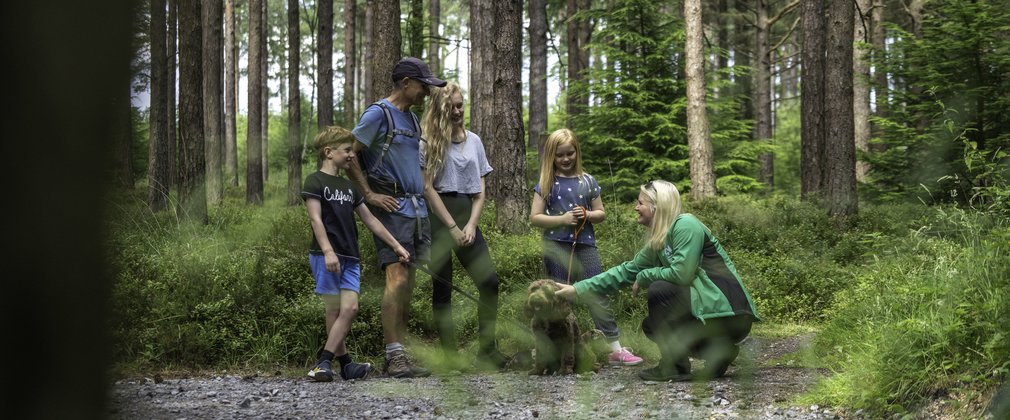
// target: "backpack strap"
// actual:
[[392, 131]]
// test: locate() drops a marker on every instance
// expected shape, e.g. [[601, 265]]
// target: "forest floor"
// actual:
[[761, 384]]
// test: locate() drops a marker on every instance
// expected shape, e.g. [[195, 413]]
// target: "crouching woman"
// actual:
[[698, 306]]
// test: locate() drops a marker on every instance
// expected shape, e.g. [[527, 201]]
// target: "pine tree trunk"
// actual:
[[230, 95], [482, 69], [386, 46], [578, 33], [212, 97], [265, 103], [123, 146], [294, 107], [812, 163], [840, 194], [192, 161], [538, 74], [369, 56], [435, 36], [173, 112], [507, 187], [350, 61], [160, 145], [877, 38], [324, 64], [763, 95], [254, 136], [702, 175], [861, 88], [415, 29]]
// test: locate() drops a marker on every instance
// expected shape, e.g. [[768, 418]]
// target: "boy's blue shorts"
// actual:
[[330, 283]]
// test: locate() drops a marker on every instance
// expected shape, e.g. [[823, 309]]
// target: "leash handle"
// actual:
[[575, 240]]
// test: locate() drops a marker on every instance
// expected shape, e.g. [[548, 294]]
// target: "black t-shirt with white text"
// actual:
[[339, 198]]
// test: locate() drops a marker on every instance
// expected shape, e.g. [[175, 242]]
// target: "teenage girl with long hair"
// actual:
[[454, 165]]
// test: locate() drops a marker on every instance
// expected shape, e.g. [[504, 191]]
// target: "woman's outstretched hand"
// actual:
[[567, 291]]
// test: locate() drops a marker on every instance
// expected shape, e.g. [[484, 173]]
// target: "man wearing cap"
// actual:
[[388, 173]]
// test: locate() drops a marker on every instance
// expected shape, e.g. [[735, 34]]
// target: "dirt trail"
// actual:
[[753, 388]]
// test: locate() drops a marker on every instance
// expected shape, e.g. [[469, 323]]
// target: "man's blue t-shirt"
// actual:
[[402, 162]]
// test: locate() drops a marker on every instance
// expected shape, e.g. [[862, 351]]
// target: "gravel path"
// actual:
[[758, 392]]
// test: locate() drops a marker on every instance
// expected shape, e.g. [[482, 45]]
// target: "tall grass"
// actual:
[[926, 318]]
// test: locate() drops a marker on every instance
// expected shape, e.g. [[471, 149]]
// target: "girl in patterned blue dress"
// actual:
[[566, 204]]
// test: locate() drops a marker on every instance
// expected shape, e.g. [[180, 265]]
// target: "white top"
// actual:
[[465, 165]]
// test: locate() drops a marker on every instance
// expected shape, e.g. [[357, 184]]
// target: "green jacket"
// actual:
[[691, 256]]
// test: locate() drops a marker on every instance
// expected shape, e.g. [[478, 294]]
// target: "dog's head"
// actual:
[[543, 303]]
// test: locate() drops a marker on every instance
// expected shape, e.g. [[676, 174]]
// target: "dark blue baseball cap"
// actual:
[[415, 69]]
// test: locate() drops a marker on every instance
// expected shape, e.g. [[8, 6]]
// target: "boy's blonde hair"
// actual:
[[557, 138], [666, 207], [331, 136], [438, 128]]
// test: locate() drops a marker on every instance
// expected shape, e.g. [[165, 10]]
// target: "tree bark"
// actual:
[[294, 107], [386, 47], [192, 162], [173, 112], [840, 195], [578, 35], [763, 94], [159, 146], [350, 61], [702, 175], [230, 95], [482, 76], [265, 92], [324, 64], [369, 56], [213, 89], [435, 36], [812, 133], [861, 87], [415, 29], [507, 152], [538, 74], [254, 136], [122, 166]]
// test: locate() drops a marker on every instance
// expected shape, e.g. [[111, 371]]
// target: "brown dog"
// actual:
[[558, 343]]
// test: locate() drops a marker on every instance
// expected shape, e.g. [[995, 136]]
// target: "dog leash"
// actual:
[[575, 240]]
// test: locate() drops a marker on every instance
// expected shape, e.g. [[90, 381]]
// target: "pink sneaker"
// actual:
[[623, 357]]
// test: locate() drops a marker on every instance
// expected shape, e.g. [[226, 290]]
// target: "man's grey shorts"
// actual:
[[417, 241]]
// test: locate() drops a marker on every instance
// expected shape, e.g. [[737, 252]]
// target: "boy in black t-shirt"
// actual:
[[331, 201]]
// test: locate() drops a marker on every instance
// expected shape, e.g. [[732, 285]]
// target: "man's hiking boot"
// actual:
[[662, 373], [492, 359], [399, 365], [322, 372], [355, 371]]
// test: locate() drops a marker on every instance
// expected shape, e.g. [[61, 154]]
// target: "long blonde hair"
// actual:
[[438, 128], [557, 138], [666, 207]]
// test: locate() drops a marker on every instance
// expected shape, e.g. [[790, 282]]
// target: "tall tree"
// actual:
[[159, 146], [538, 73], [840, 194], [213, 89], [385, 46], [254, 134], [578, 32], [324, 63], [294, 106], [702, 174], [350, 60], [173, 115], [763, 50], [435, 36], [877, 38], [230, 95], [192, 163], [861, 86], [482, 68], [507, 144], [368, 53], [812, 135], [265, 92], [415, 28]]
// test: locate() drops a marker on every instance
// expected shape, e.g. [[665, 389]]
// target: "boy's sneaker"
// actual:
[[355, 371], [322, 372], [623, 357]]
